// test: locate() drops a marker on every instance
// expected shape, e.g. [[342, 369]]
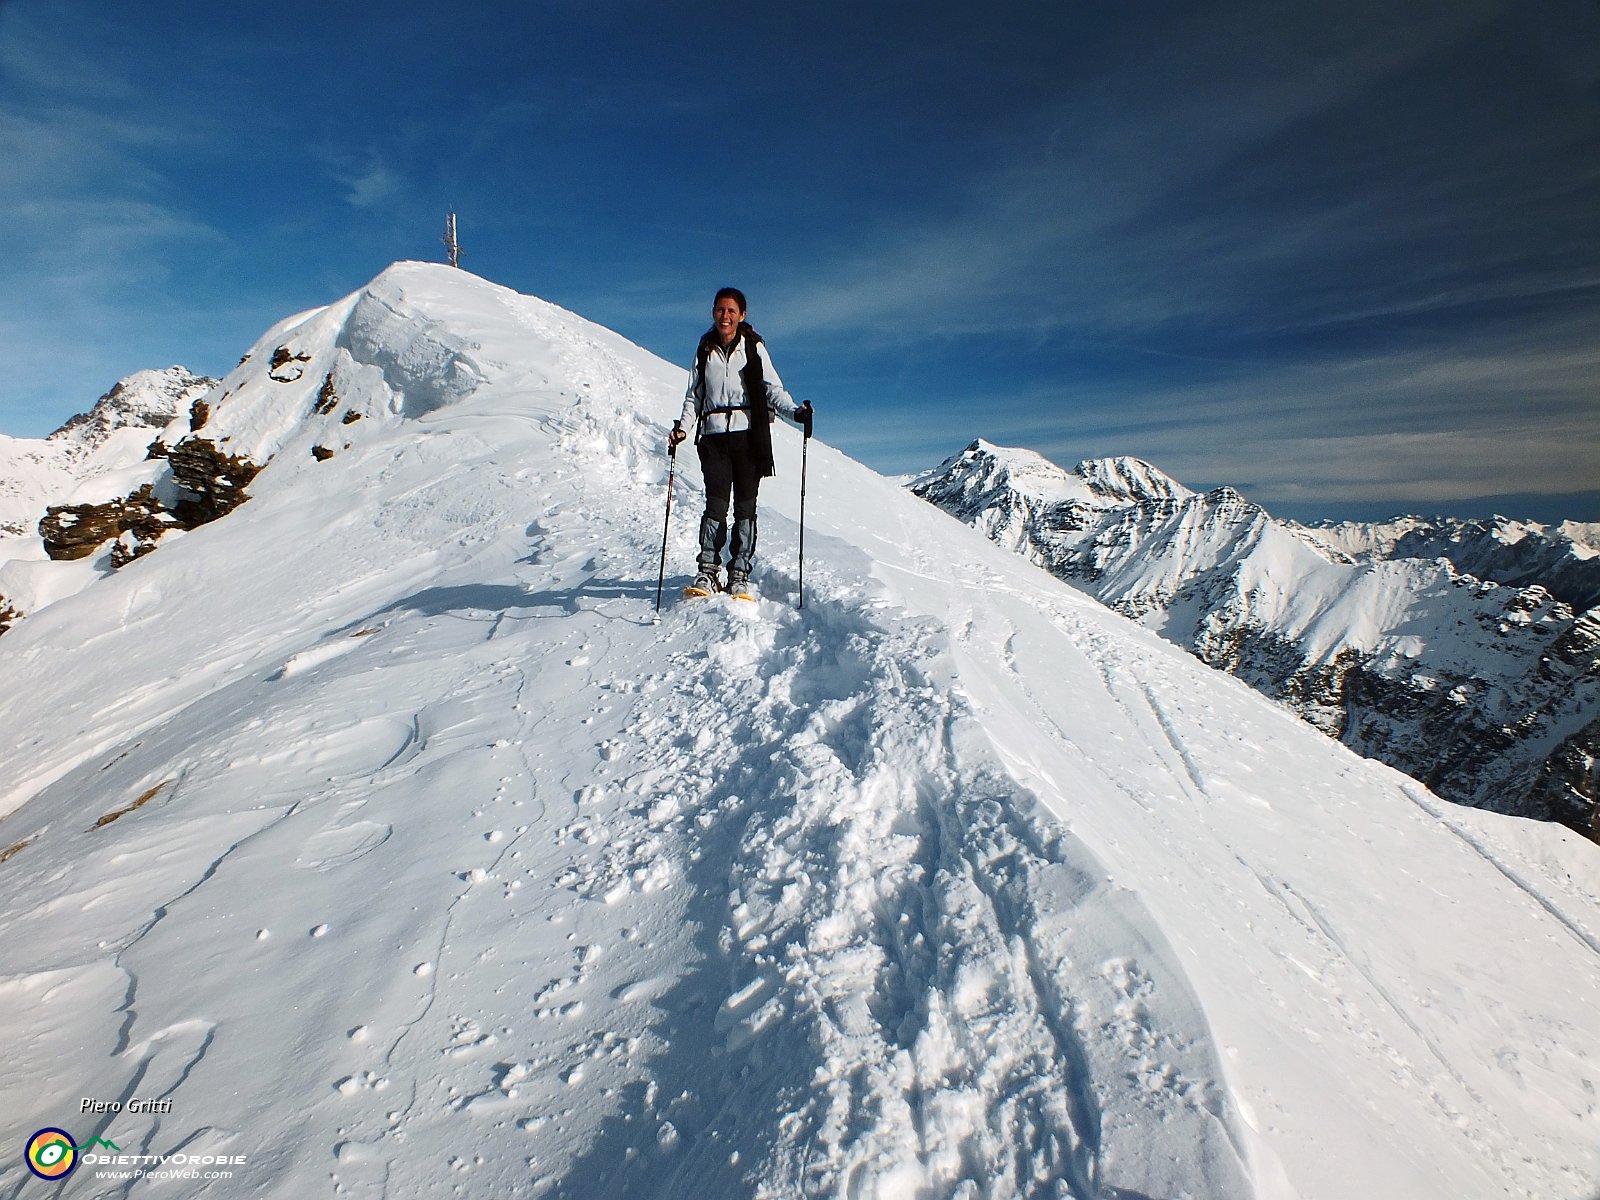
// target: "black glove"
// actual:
[[675, 438], [804, 415]]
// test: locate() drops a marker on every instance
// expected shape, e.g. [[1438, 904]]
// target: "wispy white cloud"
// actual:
[[1512, 413], [368, 183], [1353, 299], [96, 224], [1242, 169], [37, 59], [87, 209], [1508, 415]]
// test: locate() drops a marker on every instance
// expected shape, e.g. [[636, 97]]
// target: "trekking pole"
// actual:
[[805, 444], [672, 471]]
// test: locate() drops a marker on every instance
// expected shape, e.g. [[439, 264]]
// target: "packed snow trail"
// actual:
[[377, 828]]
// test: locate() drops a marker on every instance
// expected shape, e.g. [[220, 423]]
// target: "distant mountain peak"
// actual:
[[985, 470], [1127, 478], [86, 459], [145, 399]]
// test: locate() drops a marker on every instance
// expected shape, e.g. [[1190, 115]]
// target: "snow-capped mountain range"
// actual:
[[1563, 559], [1465, 653], [372, 837]]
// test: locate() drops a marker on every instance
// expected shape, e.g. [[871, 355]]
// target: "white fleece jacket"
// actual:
[[724, 389]]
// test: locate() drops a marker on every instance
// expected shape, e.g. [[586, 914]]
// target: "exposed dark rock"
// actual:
[[8, 614], [143, 523], [212, 484], [213, 481], [156, 449], [321, 453], [1514, 553], [72, 531], [117, 814], [1569, 784], [327, 398], [199, 414], [1464, 739], [287, 366], [351, 416]]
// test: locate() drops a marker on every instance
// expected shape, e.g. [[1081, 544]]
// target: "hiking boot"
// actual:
[[739, 585], [707, 582]]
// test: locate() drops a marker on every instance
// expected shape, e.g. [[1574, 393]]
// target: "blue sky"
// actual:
[[1343, 256]]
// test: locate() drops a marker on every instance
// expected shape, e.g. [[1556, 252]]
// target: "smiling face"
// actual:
[[725, 317]]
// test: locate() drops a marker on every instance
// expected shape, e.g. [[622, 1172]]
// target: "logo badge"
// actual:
[[52, 1154]]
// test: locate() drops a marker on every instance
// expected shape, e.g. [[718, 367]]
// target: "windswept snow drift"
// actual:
[[376, 828]]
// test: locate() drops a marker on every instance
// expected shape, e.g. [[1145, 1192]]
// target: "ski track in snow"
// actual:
[[1436, 810], [532, 897]]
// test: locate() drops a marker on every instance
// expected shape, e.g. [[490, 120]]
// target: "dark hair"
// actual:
[[730, 293]]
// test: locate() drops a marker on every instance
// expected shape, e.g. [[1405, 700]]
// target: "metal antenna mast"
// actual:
[[452, 247]]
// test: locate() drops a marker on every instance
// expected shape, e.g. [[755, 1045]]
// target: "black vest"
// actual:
[[755, 392]]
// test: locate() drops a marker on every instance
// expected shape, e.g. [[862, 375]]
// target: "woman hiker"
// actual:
[[733, 392]]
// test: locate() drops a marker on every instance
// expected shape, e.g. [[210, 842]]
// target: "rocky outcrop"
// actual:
[[1569, 781], [327, 397], [213, 482], [136, 521], [8, 614], [1488, 693], [73, 531], [1469, 740], [287, 366]]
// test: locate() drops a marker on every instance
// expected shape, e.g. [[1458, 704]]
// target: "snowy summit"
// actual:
[[369, 832]]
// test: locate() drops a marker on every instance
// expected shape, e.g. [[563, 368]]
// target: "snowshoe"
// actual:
[[706, 583]]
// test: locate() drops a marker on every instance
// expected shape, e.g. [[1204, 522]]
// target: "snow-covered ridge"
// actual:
[[1563, 559], [311, 377], [951, 884], [1485, 686]]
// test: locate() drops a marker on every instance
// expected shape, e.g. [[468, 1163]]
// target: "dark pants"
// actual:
[[729, 468]]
